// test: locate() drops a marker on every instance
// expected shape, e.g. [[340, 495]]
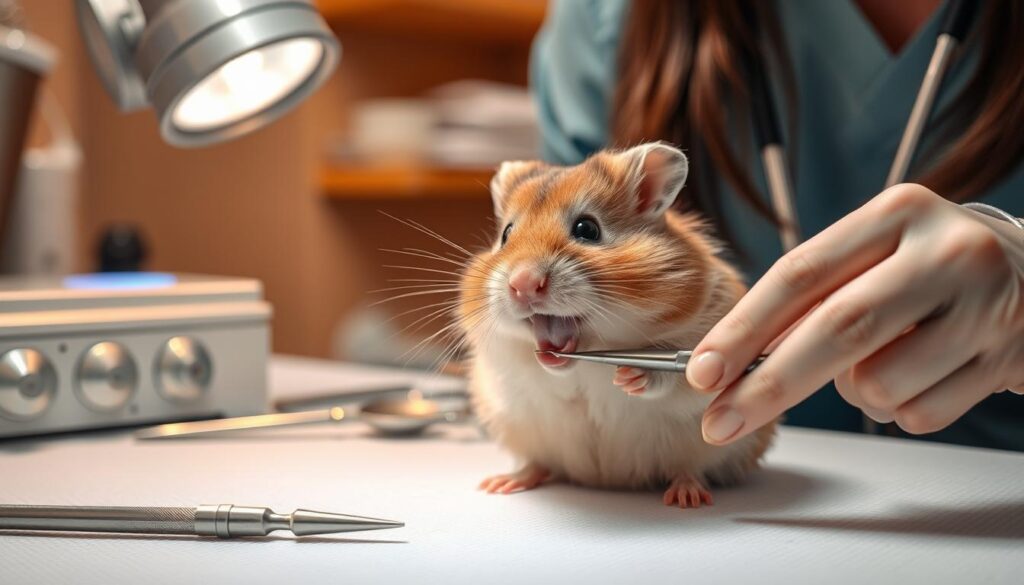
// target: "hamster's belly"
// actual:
[[587, 430]]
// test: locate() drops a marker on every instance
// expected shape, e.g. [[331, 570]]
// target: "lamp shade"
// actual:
[[211, 70]]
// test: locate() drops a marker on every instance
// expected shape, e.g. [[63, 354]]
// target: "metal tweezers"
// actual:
[[668, 360]]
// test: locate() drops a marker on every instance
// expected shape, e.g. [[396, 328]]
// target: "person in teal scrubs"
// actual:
[[913, 304]]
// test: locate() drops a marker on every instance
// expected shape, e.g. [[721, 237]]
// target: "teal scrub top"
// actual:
[[855, 97]]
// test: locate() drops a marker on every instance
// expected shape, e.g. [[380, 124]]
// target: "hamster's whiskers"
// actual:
[[595, 309], [455, 339], [413, 294], [465, 269], [416, 287], [433, 280], [607, 314], [427, 231], [465, 264], [421, 268], [609, 295], [422, 321], [459, 340]]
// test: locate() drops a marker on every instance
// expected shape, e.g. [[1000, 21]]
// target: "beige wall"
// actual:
[[253, 207]]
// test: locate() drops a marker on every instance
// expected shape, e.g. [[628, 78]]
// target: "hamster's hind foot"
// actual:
[[687, 492], [527, 478]]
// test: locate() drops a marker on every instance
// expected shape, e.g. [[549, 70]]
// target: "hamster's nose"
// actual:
[[527, 284]]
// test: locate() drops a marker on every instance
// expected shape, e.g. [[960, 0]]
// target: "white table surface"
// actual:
[[827, 508]]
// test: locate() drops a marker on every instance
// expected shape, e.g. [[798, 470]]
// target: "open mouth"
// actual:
[[555, 333]]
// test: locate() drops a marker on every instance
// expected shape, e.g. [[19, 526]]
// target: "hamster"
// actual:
[[592, 257]]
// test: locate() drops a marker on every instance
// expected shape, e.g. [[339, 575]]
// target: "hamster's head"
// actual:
[[584, 256]]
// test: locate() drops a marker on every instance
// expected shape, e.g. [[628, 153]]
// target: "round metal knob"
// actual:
[[183, 369], [28, 384], [106, 376]]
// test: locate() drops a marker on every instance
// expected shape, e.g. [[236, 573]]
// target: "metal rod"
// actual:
[[773, 159], [645, 359], [768, 134], [99, 519], [944, 47], [259, 421], [223, 520], [341, 397], [642, 363]]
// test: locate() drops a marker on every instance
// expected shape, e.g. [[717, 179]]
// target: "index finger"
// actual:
[[798, 281], [859, 319]]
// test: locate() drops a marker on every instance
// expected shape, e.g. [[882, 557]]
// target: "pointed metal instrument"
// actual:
[[668, 360], [223, 520], [238, 423], [394, 418]]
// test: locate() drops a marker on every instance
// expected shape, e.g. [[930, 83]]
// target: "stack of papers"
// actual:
[[481, 123]]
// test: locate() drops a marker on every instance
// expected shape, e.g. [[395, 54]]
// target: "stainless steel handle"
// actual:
[[683, 358], [937, 67], [146, 520]]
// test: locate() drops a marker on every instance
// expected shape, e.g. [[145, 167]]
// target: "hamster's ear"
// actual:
[[658, 172], [509, 176]]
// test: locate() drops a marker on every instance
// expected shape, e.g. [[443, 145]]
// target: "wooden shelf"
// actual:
[[486, 21], [403, 182]]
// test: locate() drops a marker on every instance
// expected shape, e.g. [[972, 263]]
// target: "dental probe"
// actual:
[[667, 360], [224, 520]]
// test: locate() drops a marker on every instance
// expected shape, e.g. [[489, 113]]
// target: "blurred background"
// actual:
[[429, 96]]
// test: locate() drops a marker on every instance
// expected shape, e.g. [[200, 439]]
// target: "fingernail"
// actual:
[[879, 416], [706, 370], [722, 424]]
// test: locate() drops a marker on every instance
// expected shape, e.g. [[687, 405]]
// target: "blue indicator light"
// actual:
[[120, 281]]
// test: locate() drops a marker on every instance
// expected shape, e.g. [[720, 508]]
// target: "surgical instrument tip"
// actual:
[[308, 522]]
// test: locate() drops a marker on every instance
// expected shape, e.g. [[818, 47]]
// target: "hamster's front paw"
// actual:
[[632, 381], [687, 492], [527, 478]]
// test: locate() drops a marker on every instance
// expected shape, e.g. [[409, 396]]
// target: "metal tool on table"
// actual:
[[323, 399], [406, 416], [668, 360], [224, 520]]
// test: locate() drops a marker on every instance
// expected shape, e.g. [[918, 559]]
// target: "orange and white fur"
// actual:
[[591, 257]]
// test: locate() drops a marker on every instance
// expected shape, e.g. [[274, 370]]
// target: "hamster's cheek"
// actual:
[[560, 371], [513, 328]]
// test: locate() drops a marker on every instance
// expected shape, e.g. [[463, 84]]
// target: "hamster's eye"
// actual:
[[504, 234], [586, 229]]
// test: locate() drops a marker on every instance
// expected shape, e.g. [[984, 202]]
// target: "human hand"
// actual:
[[913, 304]]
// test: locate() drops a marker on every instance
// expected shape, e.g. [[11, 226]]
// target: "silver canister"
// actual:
[[24, 61]]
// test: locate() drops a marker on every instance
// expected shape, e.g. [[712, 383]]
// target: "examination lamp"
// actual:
[[211, 69]]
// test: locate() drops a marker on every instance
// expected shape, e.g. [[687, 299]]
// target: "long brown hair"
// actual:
[[681, 79]]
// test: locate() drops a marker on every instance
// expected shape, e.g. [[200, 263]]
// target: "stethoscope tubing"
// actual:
[[957, 21]]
